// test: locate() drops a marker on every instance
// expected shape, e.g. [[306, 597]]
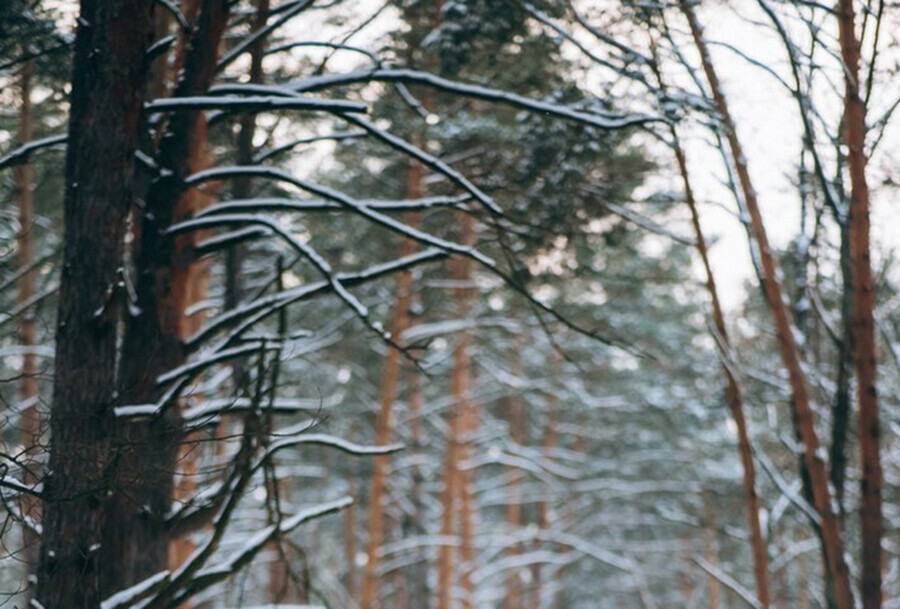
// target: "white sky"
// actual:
[[767, 123], [770, 130]]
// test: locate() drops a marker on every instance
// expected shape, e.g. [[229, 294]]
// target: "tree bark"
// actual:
[[459, 390], [514, 597], [383, 424], [548, 443], [733, 395], [837, 573], [108, 84], [147, 452], [863, 325], [30, 419]]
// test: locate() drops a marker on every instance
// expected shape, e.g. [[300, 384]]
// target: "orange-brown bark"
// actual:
[[459, 390], [514, 597], [548, 443], [863, 320], [30, 419], [389, 382], [837, 572], [733, 396]]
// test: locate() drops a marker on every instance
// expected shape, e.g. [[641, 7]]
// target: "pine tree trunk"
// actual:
[[350, 541], [837, 573], [469, 415], [863, 326], [514, 597], [108, 84], [459, 391], [383, 432], [30, 421], [147, 452], [548, 443], [418, 575], [733, 396]]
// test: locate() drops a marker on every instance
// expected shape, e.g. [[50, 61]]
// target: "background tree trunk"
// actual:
[[863, 327], [30, 418], [383, 424], [837, 573]]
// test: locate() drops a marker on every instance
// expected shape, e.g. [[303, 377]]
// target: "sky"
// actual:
[[766, 116], [768, 125]]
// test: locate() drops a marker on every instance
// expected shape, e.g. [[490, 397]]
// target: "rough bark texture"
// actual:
[[147, 452], [838, 575], [108, 82], [863, 327]]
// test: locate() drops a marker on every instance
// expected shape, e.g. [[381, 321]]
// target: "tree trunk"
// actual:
[[108, 84], [837, 572], [514, 597], [840, 427], [459, 390], [147, 452], [30, 419], [548, 443], [467, 503], [418, 575], [350, 541], [733, 396], [863, 327], [389, 381]]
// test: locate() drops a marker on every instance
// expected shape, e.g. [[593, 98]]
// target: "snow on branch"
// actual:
[[252, 104], [358, 207], [727, 581], [350, 448], [646, 223], [269, 204], [475, 91], [255, 311], [21, 154], [136, 593], [253, 546], [429, 160]]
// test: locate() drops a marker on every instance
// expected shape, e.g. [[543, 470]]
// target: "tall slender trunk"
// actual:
[[733, 396], [30, 418], [418, 575], [863, 327], [189, 287], [389, 382], [548, 443], [459, 390], [837, 573], [467, 476], [514, 597], [108, 84], [350, 541], [840, 426]]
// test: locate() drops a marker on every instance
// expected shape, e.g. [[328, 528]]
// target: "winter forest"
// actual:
[[449, 304]]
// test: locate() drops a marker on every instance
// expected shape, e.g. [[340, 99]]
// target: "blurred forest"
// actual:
[[420, 304]]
